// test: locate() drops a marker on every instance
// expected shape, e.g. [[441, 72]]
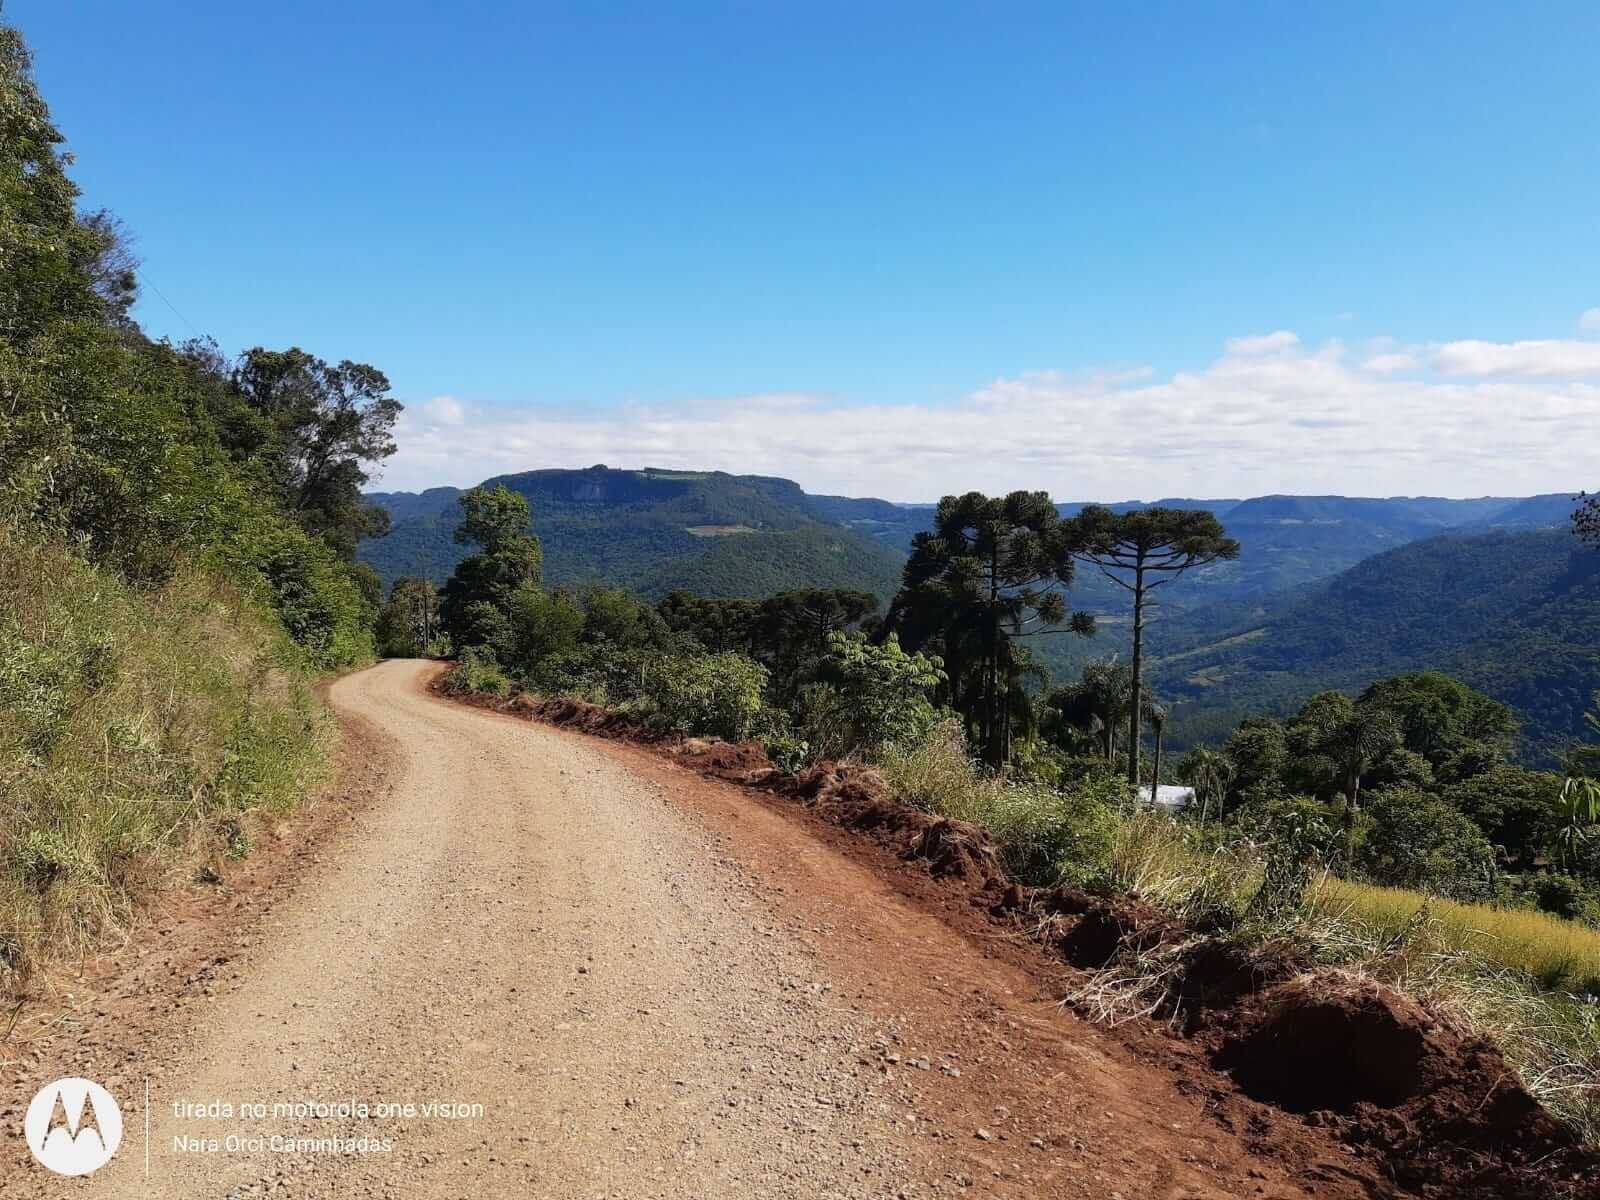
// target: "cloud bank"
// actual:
[[1270, 414]]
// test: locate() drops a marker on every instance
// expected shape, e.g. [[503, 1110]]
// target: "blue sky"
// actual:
[[884, 249]]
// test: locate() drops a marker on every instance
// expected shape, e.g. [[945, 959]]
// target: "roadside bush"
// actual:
[[477, 671], [872, 696], [710, 695], [1044, 835], [1294, 846], [1048, 836], [1418, 841], [786, 751]]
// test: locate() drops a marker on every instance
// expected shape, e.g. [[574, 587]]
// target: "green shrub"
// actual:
[[1418, 841], [786, 751], [1047, 836], [708, 695], [1044, 835], [477, 672], [874, 695]]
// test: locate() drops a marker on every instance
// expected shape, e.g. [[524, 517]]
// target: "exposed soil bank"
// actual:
[[1420, 1109]]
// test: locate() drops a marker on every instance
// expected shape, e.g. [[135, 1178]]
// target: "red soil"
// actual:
[[1423, 1110]]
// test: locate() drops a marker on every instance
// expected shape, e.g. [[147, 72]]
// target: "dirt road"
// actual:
[[610, 979]]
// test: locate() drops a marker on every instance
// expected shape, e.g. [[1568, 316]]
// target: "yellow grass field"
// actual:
[[1557, 953]]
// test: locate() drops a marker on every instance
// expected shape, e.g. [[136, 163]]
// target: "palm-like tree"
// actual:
[[1097, 704], [1578, 804], [1350, 737], [1210, 773], [1577, 812]]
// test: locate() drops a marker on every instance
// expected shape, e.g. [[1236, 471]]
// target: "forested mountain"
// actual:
[[1516, 614], [1328, 591], [647, 528], [653, 530]]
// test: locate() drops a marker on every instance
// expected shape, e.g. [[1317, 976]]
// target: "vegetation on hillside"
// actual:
[[177, 541], [1388, 831], [646, 530], [1515, 614], [655, 532]]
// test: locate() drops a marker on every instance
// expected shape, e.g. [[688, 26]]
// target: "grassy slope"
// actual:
[[140, 732]]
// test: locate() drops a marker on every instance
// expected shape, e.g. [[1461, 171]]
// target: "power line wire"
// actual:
[[146, 279]]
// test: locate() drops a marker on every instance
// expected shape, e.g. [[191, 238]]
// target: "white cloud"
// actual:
[[1388, 364], [1266, 343], [1530, 359], [1589, 322], [1269, 415], [445, 410]]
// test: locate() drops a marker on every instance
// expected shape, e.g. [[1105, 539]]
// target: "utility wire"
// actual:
[[146, 279]]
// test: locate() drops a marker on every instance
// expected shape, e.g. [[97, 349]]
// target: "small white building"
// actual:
[[1170, 798]]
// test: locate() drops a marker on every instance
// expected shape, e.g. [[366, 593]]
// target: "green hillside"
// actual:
[[653, 530], [1516, 614], [1285, 541], [744, 535], [755, 565]]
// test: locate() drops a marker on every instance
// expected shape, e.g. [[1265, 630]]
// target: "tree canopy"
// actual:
[[1141, 551], [992, 571]]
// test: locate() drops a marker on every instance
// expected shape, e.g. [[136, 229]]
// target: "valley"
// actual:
[[1327, 591]]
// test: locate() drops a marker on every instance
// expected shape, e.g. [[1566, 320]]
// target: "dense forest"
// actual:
[[1413, 776], [1224, 638], [1516, 614]]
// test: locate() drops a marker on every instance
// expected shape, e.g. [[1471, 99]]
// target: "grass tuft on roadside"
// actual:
[[141, 732]]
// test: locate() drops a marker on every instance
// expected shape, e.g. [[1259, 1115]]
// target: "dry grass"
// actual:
[[1517, 978], [139, 731], [1555, 953]]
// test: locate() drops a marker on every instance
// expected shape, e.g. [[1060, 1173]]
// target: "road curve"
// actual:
[[533, 964], [526, 926]]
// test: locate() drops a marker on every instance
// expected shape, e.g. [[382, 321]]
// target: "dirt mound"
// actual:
[[1320, 1044], [859, 798], [1445, 1112], [573, 713], [736, 761], [1106, 928]]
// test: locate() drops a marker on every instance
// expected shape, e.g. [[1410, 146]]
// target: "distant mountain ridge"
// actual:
[[644, 527], [653, 530], [1514, 612], [1310, 603]]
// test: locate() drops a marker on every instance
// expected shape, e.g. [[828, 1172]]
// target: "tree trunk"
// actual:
[[1155, 768], [1138, 667]]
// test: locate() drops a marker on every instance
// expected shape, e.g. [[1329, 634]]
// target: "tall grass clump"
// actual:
[[1044, 835], [140, 730]]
